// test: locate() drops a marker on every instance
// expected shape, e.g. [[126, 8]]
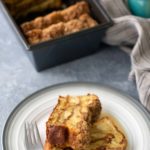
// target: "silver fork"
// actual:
[[32, 137]]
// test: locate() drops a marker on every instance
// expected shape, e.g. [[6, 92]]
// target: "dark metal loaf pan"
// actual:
[[53, 52]]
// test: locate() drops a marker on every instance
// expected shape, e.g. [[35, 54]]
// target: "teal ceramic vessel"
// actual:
[[140, 7]]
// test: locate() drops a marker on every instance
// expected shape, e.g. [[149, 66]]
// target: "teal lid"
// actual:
[[140, 7]]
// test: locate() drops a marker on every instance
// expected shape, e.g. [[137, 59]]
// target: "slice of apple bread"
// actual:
[[70, 122]]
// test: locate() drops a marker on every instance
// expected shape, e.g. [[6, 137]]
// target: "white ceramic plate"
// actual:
[[129, 113]]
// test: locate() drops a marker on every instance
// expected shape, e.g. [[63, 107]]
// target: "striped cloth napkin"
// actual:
[[132, 34]]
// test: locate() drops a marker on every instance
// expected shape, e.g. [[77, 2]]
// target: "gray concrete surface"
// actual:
[[18, 78]]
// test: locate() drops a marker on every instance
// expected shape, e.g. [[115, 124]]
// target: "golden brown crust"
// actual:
[[76, 114], [65, 15], [60, 29], [58, 135]]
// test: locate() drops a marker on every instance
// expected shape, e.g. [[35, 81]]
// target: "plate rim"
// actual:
[[55, 86]]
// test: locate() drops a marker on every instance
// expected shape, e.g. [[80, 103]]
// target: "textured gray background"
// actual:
[[18, 78]]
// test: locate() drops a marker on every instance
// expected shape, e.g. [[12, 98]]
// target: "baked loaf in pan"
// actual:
[[59, 23], [60, 29], [70, 122], [72, 12], [105, 136]]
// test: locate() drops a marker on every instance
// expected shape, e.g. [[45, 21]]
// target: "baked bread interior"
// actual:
[[105, 135]]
